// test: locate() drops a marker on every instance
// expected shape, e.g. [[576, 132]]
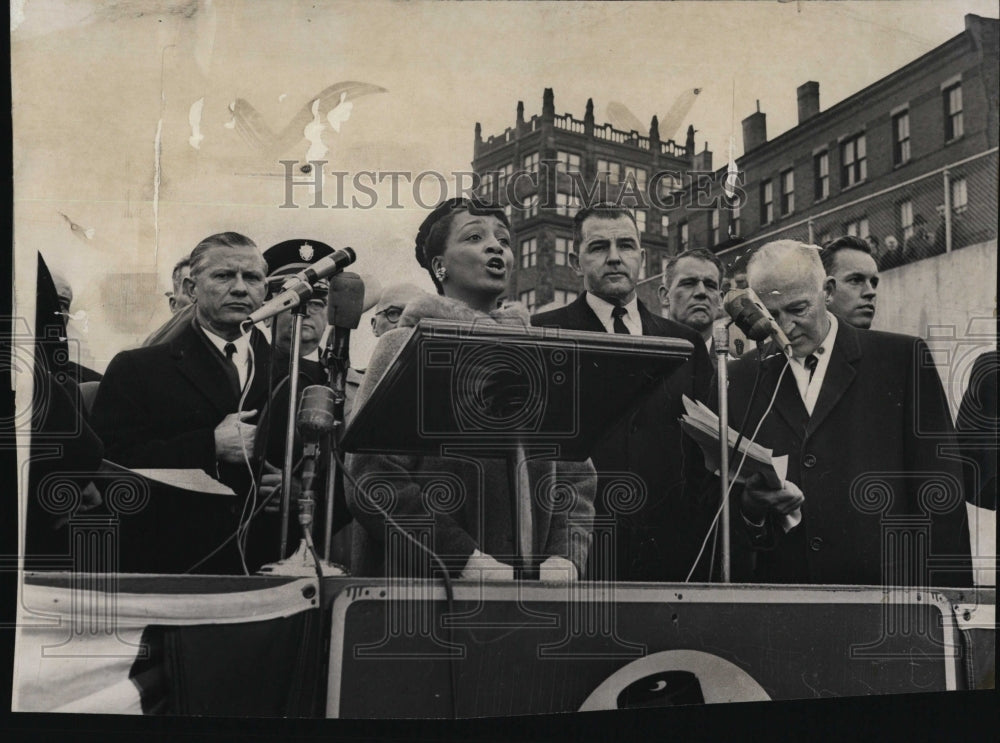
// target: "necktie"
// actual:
[[811, 362], [619, 325], [231, 371]]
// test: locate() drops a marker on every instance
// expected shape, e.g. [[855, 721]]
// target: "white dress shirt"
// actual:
[[603, 308], [242, 356], [809, 389]]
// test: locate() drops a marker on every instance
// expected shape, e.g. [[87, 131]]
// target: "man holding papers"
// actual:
[[864, 420]]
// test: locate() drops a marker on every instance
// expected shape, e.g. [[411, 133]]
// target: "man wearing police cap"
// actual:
[[284, 260]]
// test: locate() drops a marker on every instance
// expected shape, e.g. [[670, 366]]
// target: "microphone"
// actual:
[[345, 301], [300, 285], [752, 317], [344, 307], [315, 417]]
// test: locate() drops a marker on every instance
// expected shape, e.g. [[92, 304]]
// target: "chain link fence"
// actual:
[[940, 211]]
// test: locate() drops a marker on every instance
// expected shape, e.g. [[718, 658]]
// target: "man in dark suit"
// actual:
[[178, 404], [658, 535], [863, 418]]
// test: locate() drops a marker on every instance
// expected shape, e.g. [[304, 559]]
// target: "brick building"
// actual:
[[912, 157], [544, 168]]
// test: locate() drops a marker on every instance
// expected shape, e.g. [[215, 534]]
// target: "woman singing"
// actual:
[[465, 245]]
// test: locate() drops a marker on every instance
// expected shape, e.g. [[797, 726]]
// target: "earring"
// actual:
[[441, 273]]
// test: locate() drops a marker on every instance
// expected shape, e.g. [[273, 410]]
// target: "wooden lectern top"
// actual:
[[489, 386]]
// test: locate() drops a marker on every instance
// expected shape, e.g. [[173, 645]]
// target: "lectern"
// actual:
[[521, 392]]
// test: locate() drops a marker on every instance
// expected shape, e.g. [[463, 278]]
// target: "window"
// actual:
[[953, 124], [857, 228], [564, 296], [640, 220], [609, 170], [486, 186], [664, 225], [734, 222], [639, 174], [669, 184], [508, 209], [853, 161], [713, 228], [566, 205], [530, 162], [529, 252], [766, 202], [564, 246], [568, 162], [682, 237], [906, 219], [531, 206], [821, 176], [901, 138], [527, 299], [503, 175], [787, 192], [959, 196]]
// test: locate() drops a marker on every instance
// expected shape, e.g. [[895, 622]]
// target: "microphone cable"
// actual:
[[732, 481], [446, 577], [260, 507]]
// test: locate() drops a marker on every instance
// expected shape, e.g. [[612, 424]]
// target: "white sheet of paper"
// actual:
[[195, 480]]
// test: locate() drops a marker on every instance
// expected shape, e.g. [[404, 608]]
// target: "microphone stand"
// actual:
[[338, 361], [720, 339], [293, 393]]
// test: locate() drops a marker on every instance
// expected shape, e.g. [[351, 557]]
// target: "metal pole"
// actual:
[[339, 363], [293, 393], [812, 233], [720, 337], [947, 211]]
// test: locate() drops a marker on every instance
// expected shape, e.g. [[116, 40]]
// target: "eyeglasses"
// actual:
[[392, 314]]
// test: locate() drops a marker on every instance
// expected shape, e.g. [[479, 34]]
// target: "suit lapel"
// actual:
[[258, 394], [584, 318], [840, 374], [195, 360], [788, 401]]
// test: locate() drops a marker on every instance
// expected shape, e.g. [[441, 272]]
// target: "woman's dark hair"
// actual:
[[433, 232]]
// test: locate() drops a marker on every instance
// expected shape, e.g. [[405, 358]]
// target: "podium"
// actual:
[[518, 393]]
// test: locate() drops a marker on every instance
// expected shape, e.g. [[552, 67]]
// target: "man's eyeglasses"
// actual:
[[392, 314]]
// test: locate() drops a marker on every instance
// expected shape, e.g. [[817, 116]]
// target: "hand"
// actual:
[[484, 567], [270, 482], [557, 569], [757, 499], [232, 435], [90, 498], [270, 487]]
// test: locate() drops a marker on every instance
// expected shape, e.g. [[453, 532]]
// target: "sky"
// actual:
[[127, 153]]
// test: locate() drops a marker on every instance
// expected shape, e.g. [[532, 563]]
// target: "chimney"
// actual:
[[548, 104], [520, 113], [588, 118], [808, 94], [702, 161], [754, 130], [689, 141]]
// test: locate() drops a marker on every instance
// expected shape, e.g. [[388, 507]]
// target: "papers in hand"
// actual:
[[189, 480], [702, 425]]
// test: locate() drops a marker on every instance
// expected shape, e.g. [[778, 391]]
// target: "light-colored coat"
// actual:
[[464, 500]]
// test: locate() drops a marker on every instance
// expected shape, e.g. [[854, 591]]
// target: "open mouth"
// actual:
[[496, 265]]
